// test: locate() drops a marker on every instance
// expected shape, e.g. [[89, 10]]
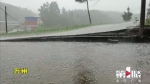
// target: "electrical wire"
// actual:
[[95, 3], [13, 18], [2, 9]]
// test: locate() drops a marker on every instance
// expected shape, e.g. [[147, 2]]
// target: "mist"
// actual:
[[103, 5], [70, 13]]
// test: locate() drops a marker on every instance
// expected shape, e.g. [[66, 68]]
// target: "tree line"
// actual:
[[53, 16]]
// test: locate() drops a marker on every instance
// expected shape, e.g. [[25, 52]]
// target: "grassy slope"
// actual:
[[41, 30]]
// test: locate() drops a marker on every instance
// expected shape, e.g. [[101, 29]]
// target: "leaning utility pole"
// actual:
[[88, 11], [6, 19]]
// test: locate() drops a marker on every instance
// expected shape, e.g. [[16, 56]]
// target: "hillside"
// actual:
[[16, 12]]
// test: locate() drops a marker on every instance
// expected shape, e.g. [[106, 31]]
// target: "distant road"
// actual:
[[87, 30]]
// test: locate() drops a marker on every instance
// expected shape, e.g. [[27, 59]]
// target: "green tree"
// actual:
[[148, 21], [148, 15], [64, 10], [64, 18], [50, 14], [127, 15]]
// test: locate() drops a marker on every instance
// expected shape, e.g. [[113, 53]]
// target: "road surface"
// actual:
[[59, 62], [88, 30]]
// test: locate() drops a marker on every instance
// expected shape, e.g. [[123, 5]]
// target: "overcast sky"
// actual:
[[104, 5]]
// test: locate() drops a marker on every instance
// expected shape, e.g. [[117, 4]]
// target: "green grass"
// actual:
[[148, 22], [42, 30]]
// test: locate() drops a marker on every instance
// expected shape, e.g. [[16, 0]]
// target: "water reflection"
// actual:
[[84, 73]]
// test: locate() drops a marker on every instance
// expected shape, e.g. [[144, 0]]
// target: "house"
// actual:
[[39, 20], [31, 22]]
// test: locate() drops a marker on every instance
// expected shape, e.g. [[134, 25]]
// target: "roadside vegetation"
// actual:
[[45, 30], [148, 15], [127, 16], [148, 21], [41, 30]]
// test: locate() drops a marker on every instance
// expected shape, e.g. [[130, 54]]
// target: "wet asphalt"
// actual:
[[72, 62]]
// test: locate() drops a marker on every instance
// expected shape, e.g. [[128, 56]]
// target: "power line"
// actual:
[[2, 9], [95, 3], [13, 18]]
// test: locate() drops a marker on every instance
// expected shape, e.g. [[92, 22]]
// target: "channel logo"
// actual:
[[128, 74]]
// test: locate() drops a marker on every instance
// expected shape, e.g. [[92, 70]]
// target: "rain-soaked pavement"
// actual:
[[72, 62]]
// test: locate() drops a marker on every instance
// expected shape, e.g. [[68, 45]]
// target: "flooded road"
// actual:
[[72, 62]]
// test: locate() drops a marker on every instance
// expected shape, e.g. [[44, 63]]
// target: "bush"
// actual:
[[148, 21]]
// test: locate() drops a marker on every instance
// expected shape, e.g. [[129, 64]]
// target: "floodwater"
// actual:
[[72, 62]]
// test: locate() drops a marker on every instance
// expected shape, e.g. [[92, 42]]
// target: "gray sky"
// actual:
[[104, 5]]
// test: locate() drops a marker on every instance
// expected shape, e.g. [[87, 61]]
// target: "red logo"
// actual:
[[127, 73]]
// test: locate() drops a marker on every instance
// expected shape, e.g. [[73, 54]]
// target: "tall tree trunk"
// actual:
[[88, 11]]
